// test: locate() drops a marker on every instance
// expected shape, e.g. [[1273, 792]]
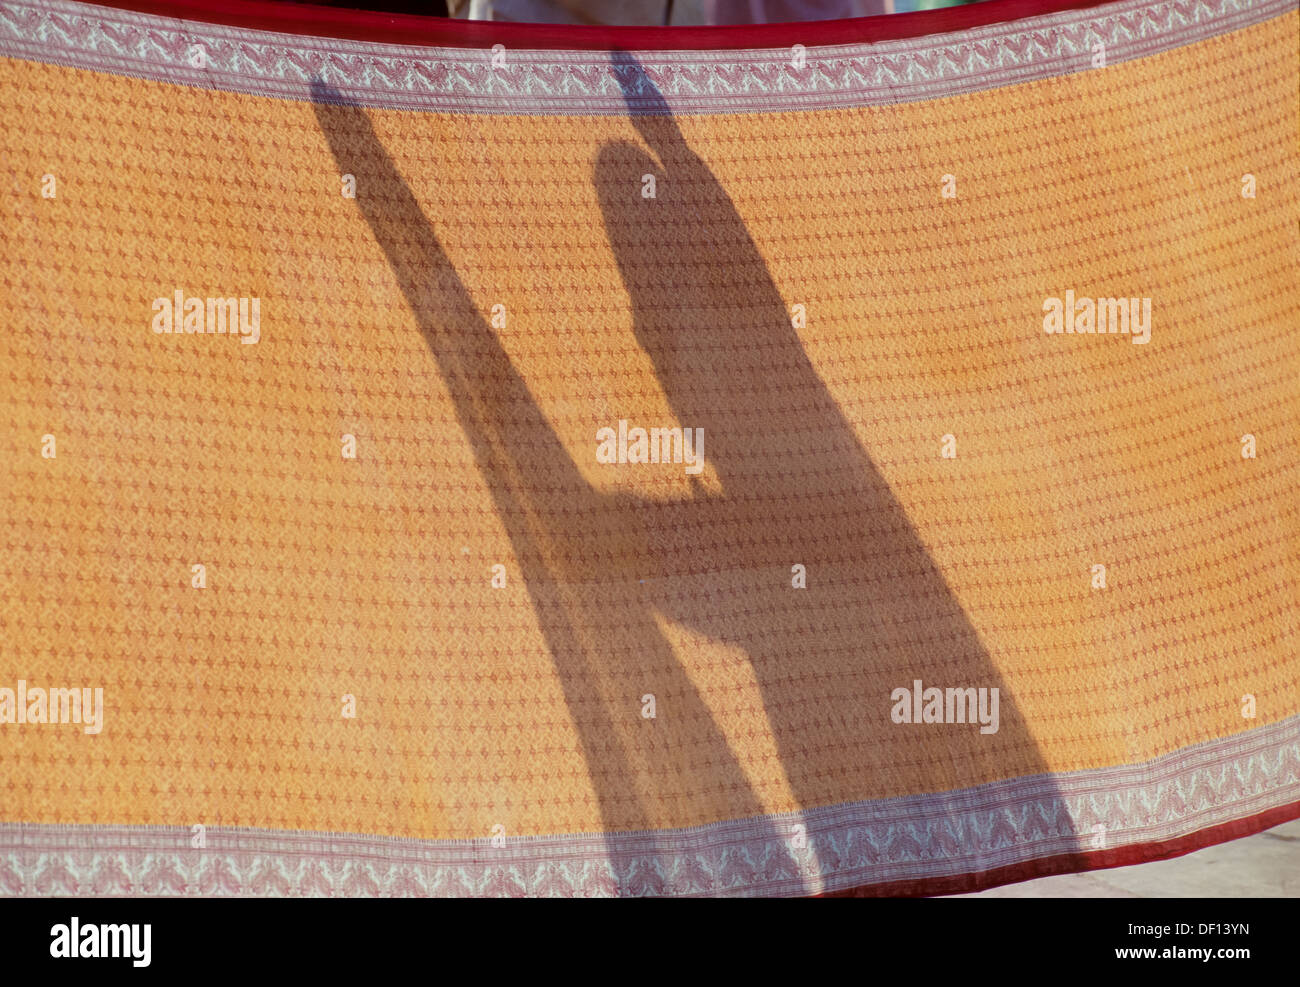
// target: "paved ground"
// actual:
[[1266, 865]]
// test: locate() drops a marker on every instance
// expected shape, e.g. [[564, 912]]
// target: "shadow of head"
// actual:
[[706, 309]]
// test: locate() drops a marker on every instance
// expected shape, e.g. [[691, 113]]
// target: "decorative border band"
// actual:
[[388, 27], [571, 82], [931, 841]]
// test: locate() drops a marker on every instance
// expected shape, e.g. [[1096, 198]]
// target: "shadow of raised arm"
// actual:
[[578, 549]]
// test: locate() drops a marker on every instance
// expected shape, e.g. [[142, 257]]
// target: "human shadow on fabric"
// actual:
[[791, 485]]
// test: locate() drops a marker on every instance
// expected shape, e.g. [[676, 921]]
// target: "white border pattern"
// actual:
[[463, 80], [849, 846]]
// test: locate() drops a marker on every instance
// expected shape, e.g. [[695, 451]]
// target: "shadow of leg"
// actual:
[[798, 487]]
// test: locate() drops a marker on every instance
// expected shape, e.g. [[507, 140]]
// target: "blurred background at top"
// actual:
[[682, 13], [646, 13]]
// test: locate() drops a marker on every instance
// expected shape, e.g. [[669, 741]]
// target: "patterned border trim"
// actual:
[[460, 80], [863, 844]]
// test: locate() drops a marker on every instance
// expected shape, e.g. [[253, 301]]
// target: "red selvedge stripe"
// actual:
[[408, 29]]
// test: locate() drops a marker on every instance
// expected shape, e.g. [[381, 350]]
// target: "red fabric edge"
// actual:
[[1076, 863], [407, 29]]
